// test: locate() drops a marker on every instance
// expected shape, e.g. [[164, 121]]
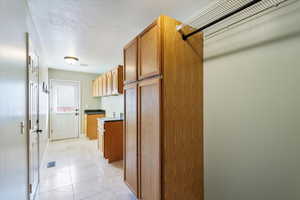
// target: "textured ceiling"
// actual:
[[95, 31]]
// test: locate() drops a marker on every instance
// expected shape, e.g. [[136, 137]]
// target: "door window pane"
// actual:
[[65, 99]]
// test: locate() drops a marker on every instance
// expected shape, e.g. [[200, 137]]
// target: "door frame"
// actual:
[[50, 107], [31, 192]]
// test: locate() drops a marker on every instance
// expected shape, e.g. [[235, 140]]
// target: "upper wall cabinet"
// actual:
[[117, 80], [100, 88], [96, 87], [131, 61], [104, 85], [110, 83], [149, 50]]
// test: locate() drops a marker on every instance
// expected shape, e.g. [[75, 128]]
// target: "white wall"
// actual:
[[252, 110], [113, 104], [87, 100]]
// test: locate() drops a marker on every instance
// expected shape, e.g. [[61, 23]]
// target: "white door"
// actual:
[[65, 104]]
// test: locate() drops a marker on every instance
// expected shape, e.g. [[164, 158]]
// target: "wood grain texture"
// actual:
[[109, 83], [91, 125], [96, 87], [104, 85], [182, 131], [131, 138], [170, 113], [149, 131], [100, 87], [117, 80], [130, 61], [149, 51], [113, 141]]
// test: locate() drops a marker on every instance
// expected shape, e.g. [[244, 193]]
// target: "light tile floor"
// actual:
[[81, 173]]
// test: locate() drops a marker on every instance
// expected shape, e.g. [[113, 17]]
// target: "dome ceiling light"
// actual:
[[71, 60]]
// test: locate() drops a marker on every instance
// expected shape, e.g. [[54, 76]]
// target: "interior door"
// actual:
[[33, 121], [65, 105], [149, 132], [131, 138]]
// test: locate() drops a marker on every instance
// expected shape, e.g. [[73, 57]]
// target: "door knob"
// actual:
[[39, 131]]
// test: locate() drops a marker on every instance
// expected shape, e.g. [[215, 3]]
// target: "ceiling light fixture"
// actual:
[[71, 60]]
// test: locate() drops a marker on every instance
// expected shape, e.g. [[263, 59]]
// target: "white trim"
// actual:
[[50, 106]]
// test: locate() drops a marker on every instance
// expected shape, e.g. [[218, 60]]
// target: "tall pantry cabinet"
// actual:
[[163, 76]]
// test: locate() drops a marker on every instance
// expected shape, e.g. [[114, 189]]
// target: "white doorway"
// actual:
[[64, 109]]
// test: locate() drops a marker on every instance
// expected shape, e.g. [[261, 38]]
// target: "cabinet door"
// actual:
[[109, 83], [100, 88], [115, 81], [149, 51], [93, 88], [149, 132], [131, 138], [104, 85], [131, 61]]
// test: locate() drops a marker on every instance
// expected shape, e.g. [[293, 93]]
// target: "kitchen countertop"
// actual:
[[94, 111], [110, 119]]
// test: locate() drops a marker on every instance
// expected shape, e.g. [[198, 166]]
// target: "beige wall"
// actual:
[[252, 110], [87, 100]]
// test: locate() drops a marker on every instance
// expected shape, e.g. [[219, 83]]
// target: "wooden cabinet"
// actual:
[[168, 141], [113, 141], [149, 123], [91, 125], [96, 87], [131, 61], [100, 88], [117, 80], [108, 83], [104, 85], [131, 138], [149, 51], [110, 139], [95, 90]]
